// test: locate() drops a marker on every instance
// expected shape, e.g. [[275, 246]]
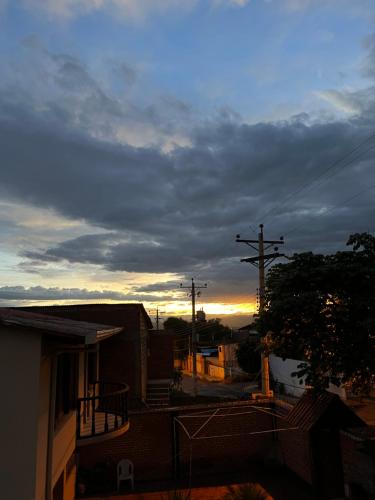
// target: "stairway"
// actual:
[[158, 393]]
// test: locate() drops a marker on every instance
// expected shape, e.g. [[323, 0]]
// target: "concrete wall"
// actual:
[[216, 371], [44, 388], [282, 372], [20, 357]]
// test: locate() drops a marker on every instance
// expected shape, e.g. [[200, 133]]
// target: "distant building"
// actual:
[[201, 316]]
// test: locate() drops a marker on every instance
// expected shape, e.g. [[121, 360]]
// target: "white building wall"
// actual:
[[20, 353], [282, 372]]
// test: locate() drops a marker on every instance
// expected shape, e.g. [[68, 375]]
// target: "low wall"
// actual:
[[155, 437]]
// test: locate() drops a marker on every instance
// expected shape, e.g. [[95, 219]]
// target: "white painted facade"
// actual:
[[19, 387], [25, 385], [282, 370]]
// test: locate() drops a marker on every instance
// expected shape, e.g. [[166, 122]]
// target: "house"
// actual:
[[124, 358], [52, 402], [245, 332]]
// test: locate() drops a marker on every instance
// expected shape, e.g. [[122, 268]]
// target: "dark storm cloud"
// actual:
[[179, 211], [37, 293]]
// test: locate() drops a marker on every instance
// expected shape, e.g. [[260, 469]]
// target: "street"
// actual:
[[218, 389]]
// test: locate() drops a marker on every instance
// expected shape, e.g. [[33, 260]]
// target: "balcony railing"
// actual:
[[104, 411]]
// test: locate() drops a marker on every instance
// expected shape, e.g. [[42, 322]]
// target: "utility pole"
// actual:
[[158, 317], [262, 261], [193, 293]]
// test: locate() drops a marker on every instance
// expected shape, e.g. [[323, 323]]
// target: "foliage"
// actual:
[[321, 309], [248, 356], [177, 380], [178, 495], [210, 331], [249, 491], [176, 324]]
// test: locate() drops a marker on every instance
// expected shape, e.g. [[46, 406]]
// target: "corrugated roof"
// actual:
[[311, 408], [90, 332]]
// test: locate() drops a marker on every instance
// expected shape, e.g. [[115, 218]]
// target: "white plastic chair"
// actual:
[[125, 472]]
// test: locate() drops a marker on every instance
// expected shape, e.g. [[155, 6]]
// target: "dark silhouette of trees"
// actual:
[[248, 356]]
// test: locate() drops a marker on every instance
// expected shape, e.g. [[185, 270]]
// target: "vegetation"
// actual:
[[210, 331], [176, 324], [249, 491], [176, 384], [248, 356], [321, 309]]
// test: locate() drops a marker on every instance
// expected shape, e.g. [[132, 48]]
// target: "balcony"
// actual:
[[104, 414]]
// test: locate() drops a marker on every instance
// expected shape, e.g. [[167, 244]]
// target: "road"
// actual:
[[218, 389]]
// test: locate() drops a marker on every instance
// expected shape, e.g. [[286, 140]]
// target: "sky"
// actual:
[[138, 137]]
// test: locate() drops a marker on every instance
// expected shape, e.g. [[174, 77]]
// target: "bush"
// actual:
[[249, 491]]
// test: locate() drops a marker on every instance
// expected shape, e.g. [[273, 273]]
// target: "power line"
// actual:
[[332, 166], [333, 208]]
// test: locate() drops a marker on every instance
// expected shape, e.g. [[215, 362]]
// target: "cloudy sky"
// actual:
[[138, 137]]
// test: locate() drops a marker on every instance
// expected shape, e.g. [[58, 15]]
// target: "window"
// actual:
[[66, 385]]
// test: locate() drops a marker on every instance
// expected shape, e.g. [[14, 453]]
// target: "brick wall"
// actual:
[[160, 360], [118, 363], [149, 442]]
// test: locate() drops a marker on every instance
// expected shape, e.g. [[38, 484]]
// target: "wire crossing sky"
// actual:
[[139, 137]]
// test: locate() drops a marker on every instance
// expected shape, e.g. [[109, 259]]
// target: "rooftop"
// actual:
[[89, 332], [124, 315]]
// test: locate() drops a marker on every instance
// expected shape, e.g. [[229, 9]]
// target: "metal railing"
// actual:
[[105, 410]]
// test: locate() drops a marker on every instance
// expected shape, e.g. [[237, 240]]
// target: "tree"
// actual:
[[248, 356], [321, 309], [212, 331], [176, 324]]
